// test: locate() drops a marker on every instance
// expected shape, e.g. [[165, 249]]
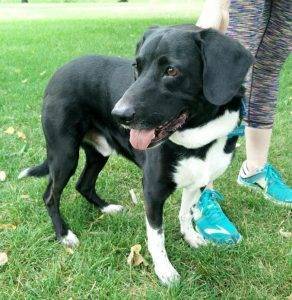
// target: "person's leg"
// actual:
[[257, 143], [270, 56], [247, 24], [273, 51]]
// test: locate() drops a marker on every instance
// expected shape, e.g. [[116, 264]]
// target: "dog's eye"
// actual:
[[171, 71]]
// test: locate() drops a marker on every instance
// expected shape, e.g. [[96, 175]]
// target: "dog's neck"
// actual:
[[197, 137]]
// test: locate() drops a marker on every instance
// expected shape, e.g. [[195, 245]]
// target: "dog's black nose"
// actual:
[[123, 115]]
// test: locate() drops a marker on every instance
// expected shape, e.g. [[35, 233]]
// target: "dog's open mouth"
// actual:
[[146, 138]]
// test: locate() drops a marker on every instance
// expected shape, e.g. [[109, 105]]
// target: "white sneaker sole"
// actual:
[[219, 244]]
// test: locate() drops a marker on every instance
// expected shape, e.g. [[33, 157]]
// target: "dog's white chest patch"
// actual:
[[99, 143], [203, 135], [199, 172]]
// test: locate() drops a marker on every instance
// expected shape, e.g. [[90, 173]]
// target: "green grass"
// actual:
[[101, 9], [40, 268]]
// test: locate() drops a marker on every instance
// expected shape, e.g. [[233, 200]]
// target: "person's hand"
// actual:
[[215, 14]]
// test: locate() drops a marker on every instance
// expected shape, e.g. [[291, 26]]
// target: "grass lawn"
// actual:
[[40, 268], [108, 9]]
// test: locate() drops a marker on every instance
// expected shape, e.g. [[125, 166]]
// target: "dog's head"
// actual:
[[182, 73]]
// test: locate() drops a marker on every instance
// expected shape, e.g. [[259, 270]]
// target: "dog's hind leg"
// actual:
[[190, 197], [86, 183], [62, 165]]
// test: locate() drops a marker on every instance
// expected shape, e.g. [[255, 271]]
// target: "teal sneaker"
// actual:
[[211, 222], [269, 182]]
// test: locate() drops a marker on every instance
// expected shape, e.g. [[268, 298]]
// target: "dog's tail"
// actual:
[[37, 171]]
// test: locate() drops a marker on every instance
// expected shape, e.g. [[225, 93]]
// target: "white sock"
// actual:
[[245, 172]]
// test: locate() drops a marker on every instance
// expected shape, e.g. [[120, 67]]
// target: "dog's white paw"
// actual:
[[23, 173], [167, 274], [112, 209], [70, 240], [194, 239]]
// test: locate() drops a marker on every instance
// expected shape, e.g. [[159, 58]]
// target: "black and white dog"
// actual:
[[169, 112]]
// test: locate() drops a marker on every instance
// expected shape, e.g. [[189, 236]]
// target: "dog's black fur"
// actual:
[[81, 96]]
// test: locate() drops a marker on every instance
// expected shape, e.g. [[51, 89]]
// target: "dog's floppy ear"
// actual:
[[147, 33], [226, 63]]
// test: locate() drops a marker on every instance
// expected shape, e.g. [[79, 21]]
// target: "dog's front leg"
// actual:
[[155, 197], [155, 235], [190, 197]]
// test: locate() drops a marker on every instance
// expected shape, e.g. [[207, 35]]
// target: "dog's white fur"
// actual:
[[100, 143], [190, 197], [199, 172], [70, 240], [112, 209], [23, 173], [203, 135], [162, 266]]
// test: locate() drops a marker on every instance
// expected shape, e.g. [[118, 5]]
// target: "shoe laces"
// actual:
[[210, 202]]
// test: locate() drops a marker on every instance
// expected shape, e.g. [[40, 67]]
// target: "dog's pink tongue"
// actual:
[[140, 139]]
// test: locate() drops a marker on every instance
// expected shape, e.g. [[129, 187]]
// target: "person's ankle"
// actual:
[[250, 168], [254, 166]]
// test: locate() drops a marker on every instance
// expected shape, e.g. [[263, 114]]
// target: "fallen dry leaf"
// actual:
[[133, 196], [7, 226], [285, 234], [2, 176], [135, 258], [25, 196], [24, 80], [3, 259], [69, 250], [21, 135], [43, 73], [9, 130]]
